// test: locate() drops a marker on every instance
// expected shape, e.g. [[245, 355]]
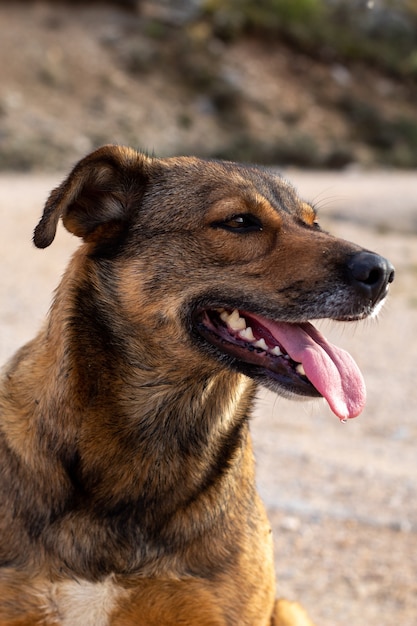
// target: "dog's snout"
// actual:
[[371, 274]]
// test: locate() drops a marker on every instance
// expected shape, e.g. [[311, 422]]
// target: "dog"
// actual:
[[126, 468]]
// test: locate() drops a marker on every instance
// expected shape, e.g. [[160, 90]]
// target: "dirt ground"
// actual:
[[341, 498]]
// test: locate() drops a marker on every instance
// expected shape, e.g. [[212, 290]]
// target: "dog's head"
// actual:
[[225, 264]]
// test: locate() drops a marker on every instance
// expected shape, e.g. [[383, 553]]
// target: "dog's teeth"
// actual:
[[234, 315], [239, 325], [247, 334], [276, 351], [261, 344], [235, 321], [224, 315], [300, 369]]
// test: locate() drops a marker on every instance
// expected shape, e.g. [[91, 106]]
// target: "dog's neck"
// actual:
[[143, 406]]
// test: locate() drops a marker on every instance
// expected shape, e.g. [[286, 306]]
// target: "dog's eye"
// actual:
[[242, 223]]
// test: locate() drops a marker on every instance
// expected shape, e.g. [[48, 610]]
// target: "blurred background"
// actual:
[[312, 83], [324, 91]]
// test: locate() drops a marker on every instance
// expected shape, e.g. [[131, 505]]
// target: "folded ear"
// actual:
[[98, 196]]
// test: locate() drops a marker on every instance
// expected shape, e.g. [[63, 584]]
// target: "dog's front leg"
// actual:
[[288, 613]]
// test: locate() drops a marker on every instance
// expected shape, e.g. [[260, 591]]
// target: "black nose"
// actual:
[[371, 274]]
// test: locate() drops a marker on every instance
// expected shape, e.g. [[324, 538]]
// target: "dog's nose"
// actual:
[[371, 274]]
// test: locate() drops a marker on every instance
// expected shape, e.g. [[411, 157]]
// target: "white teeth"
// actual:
[[300, 369], [224, 315], [238, 324], [233, 320], [247, 334], [234, 316], [261, 344]]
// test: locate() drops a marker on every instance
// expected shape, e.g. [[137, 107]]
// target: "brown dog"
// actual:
[[126, 470]]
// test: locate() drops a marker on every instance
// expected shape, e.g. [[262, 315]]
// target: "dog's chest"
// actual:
[[80, 602]]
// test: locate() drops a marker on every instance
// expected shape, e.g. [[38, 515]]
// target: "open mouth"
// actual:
[[291, 358]]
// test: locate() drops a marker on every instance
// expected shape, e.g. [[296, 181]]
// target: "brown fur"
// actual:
[[126, 469]]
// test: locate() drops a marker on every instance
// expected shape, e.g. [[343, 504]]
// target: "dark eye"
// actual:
[[242, 223]]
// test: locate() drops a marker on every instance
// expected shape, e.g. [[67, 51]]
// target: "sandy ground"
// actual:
[[341, 498]]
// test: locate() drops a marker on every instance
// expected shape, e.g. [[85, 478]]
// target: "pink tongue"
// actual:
[[331, 370]]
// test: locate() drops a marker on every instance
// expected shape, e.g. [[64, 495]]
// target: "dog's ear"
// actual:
[[97, 197]]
